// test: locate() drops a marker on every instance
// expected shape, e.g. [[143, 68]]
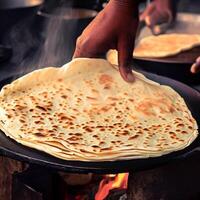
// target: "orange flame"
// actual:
[[109, 183]]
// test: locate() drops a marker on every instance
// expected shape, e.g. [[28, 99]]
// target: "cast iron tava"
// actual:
[[12, 149]]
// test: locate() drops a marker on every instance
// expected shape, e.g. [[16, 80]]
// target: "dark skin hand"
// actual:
[[196, 66], [113, 28], [159, 15]]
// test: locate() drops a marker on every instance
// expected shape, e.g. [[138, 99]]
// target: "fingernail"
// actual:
[[198, 60], [192, 69], [130, 77], [156, 30], [195, 68], [148, 20]]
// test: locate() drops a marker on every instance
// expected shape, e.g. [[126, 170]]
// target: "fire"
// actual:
[[111, 182]]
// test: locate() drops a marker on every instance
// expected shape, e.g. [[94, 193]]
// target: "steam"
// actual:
[[47, 45], [59, 38], [22, 41]]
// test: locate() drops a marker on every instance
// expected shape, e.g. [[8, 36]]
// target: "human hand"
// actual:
[[159, 15], [196, 66], [113, 28]]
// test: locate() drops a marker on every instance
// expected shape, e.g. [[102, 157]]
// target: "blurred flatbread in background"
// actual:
[[165, 45], [185, 23], [161, 46]]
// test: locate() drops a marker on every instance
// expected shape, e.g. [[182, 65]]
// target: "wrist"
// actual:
[[131, 6], [127, 2], [169, 6], [164, 3]]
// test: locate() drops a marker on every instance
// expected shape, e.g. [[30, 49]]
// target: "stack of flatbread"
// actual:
[[160, 46], [86, 111]]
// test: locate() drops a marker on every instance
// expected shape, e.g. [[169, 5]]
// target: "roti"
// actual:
[[160, 46], [85, 111]]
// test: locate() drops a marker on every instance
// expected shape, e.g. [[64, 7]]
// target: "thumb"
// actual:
[[196, 66], [125, 52]]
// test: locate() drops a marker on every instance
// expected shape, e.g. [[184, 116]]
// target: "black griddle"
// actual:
[[176, 67], [12, 149]]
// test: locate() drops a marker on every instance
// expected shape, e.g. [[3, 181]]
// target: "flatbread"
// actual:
[[160, 46], [86, 111]]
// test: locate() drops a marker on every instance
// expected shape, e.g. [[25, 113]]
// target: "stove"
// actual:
[[179, 180]]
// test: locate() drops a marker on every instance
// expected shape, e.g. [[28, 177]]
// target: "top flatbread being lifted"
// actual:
[[85, 111], [160, 46]]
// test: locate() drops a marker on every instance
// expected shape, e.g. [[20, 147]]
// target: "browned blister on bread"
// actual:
[[86, 111]]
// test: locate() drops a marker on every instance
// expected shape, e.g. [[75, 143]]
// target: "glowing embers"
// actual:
[[110, 182]]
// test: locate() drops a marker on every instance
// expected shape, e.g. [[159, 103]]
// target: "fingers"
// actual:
[[84, 49], [196, 66], [151, 16], [160, 29], [92, 47], [158, 20], [125, 51], [145, 15], [78, 52]]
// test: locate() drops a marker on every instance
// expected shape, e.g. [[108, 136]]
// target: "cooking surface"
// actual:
[[186, 57], [14, 150]]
